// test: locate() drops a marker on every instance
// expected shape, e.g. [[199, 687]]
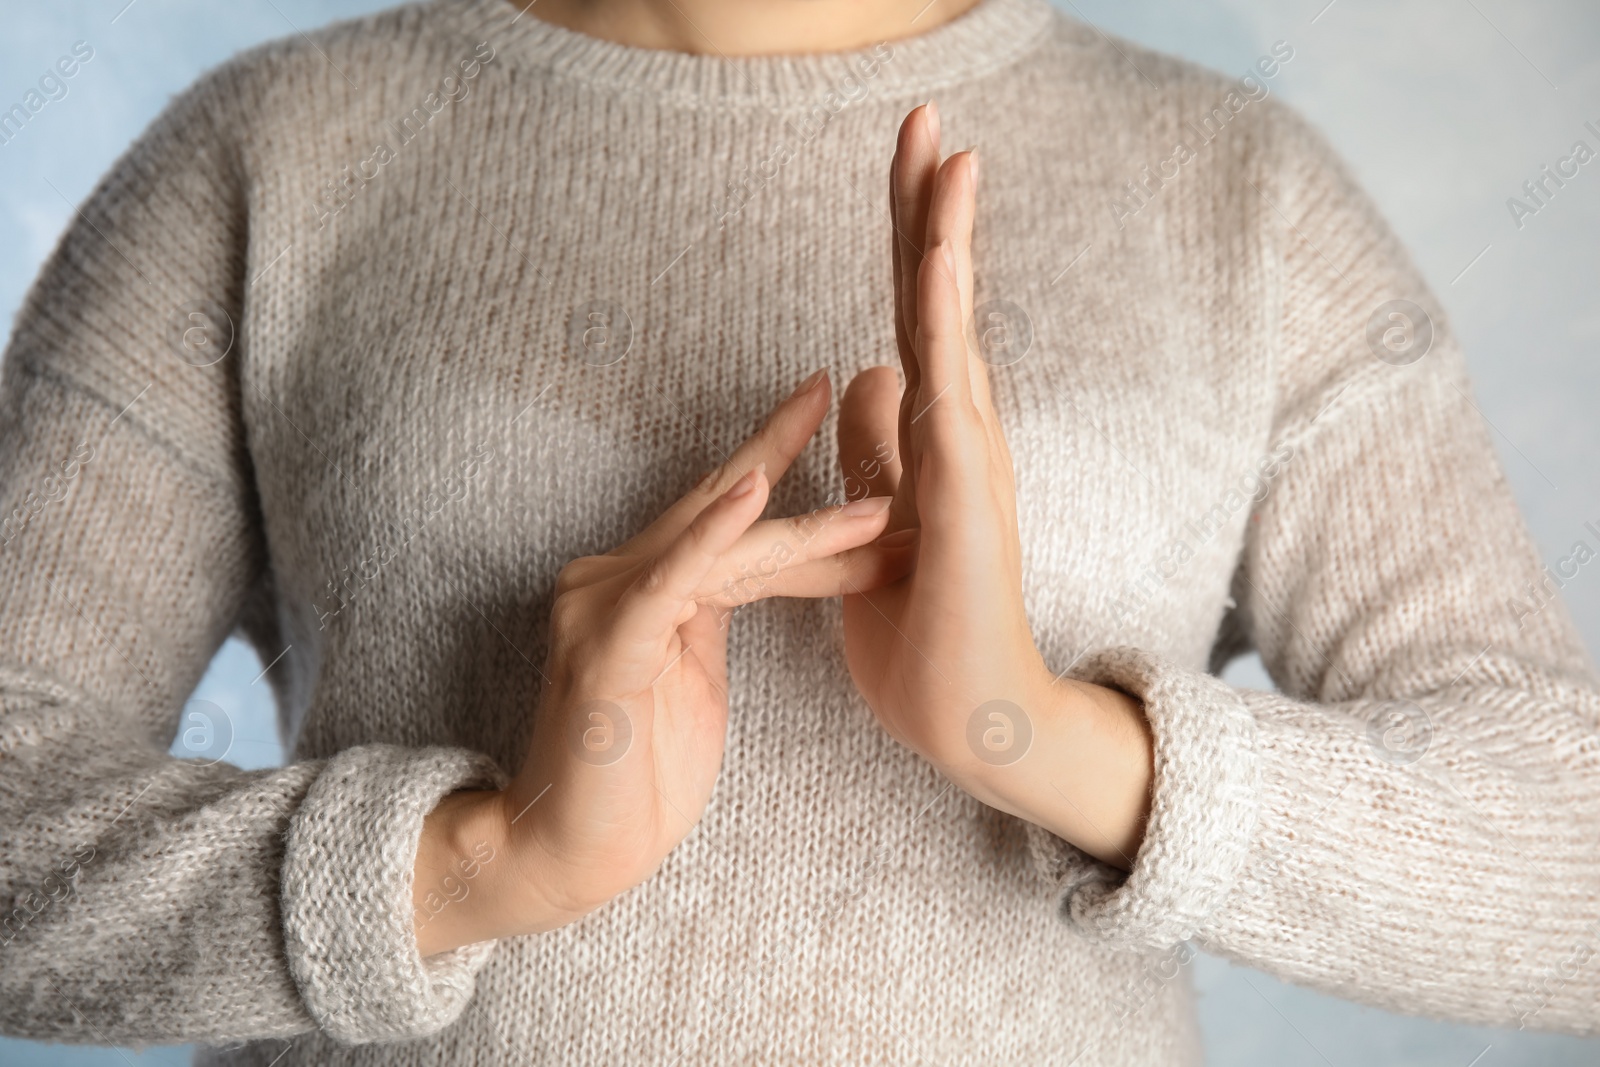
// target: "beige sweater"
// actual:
[[372, 331]]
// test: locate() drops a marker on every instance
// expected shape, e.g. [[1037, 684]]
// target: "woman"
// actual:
[[406, 348]]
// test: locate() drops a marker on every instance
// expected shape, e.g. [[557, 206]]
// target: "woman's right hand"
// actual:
[[629, 733]]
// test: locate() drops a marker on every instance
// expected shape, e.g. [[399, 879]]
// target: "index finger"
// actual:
[[781, 438], [653, 604]]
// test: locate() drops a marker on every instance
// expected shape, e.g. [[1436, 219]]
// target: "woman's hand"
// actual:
[[945, 656], [629, 734]]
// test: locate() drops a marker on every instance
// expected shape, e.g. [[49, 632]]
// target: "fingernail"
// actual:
[[933, 119], [746, 485], [872, 505], [948, 254], [898, 539], [810, 383], [972, 162]]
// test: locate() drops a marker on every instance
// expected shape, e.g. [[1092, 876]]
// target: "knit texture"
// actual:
[[372, 331]]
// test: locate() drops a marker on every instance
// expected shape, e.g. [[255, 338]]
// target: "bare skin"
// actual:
[[932, 649], [742, 28], [628, 736]]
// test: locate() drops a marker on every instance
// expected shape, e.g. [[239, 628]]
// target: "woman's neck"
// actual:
[[748, 27]]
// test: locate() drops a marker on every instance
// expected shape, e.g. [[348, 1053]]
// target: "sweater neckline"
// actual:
[[988, 36]]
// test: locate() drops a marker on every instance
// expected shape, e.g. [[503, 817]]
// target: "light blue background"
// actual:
[[1443, 107]]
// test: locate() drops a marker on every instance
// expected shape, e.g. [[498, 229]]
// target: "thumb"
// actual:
[[869, 437]]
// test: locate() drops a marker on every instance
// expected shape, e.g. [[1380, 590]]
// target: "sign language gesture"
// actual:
[[945, 656], [628, 737]]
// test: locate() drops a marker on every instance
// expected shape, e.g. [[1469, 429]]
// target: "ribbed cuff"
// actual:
[[347, 894], [1204, 803]]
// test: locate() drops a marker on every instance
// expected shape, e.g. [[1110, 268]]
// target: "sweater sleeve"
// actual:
[[146, 898], [1411, 821]]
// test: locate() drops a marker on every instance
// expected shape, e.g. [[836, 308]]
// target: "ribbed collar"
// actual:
[[991, 35]]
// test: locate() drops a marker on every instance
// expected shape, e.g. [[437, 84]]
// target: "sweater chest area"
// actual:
[[419, 556], [465, 403]]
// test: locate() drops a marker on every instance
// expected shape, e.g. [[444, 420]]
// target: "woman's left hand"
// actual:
[[945, 656]]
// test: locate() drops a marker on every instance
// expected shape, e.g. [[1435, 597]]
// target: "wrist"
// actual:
[[1008, 746], [461, 868], [1080, 766], [481, 873]]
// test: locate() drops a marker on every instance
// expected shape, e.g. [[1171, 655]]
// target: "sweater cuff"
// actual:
[[1203, 810], [347, 894]]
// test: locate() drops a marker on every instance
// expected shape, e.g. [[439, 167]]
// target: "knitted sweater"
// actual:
[[372, 331]]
